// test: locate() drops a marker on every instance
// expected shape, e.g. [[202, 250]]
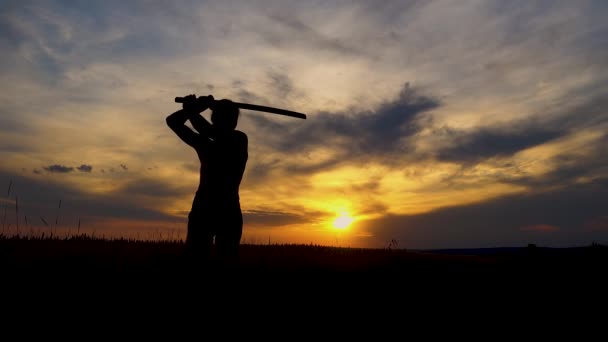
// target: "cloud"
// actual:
[[58, 168], [498, 222], [385, 133], [484, 143], [287, 31], [542, 228], [507, 138], [599, 223], [152, 188], [85, 168], [11, 123], [281, 84], [13, 148], [190, 167], [244, 94], [570, 166], [39, 198], [265, 218]]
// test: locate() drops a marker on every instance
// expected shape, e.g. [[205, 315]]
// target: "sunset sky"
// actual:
[[431, 124]]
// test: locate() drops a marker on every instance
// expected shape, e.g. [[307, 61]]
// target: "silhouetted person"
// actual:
[[222, 151]]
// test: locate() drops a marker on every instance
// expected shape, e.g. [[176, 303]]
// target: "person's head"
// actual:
[[225, 114]]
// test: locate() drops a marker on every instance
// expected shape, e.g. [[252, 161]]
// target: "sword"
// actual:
[[261, 109]]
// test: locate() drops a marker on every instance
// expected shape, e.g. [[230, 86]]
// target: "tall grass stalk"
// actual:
[[17, 212], [57, 216], [8, 195], [4, 217]]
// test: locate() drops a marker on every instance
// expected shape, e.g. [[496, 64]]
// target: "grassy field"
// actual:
[[81, 255], [94, 273]]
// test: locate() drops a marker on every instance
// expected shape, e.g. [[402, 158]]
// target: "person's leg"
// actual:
[[198, 239], [228, 237]]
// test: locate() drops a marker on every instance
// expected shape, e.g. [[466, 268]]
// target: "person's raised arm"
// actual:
[[177, 120], [201, 125]]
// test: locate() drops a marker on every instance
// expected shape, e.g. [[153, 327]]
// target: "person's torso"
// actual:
[[222, 167]]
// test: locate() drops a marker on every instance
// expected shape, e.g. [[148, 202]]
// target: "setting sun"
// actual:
[[343, 221]]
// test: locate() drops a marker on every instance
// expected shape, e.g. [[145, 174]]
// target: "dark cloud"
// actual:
[[281, 84], [58, 168], [289, 31], [39, 198], [570, 166], [245, 95], [10, 121], [508, 138], [48, 38], [153, 188], [85, 168], [372, 207], [190, 167], [480, 144], [384, 133], [392, 12], [499, 222], [41, 37], [369, 186], [13, 148], [263, 218], [589, 111], [261, 169], [520, 25], [278, 83], [37, 171], [540, 228]]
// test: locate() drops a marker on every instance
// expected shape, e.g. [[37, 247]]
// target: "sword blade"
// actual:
[[271, 110], [261, 109]]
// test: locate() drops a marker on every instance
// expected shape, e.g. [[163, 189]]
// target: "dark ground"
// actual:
[[128, 259], [301, 277]]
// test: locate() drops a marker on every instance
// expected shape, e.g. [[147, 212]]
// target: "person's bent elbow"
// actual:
[[171, 122]]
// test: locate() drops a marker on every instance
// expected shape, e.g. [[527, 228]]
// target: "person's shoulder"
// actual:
[[240, 135], [240, 138]]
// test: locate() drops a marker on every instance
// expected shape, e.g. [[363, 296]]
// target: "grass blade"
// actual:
[[57, 217], [17, 212]]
